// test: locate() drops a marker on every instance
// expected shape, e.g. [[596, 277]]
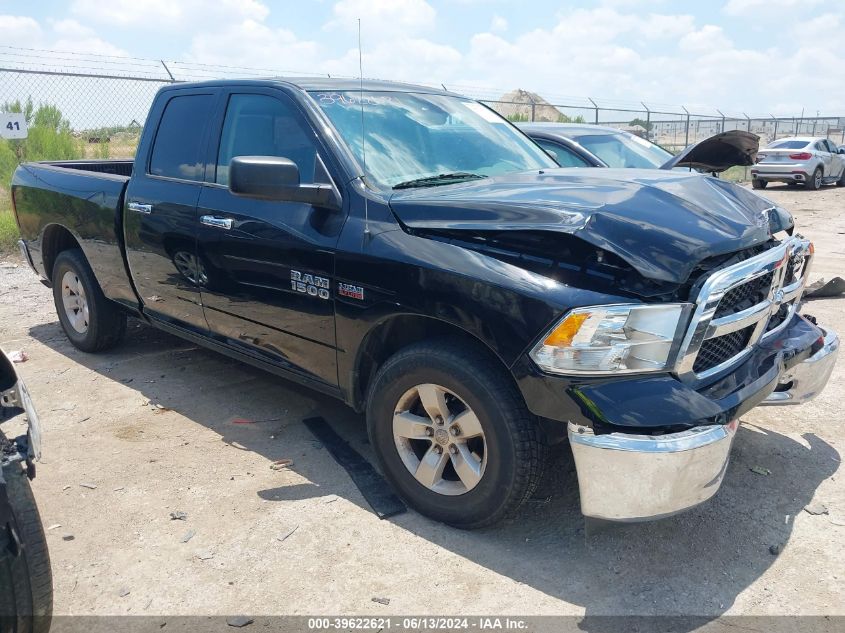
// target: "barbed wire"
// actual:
[[52, 60]]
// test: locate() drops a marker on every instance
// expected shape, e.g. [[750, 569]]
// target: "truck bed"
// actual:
[[86, 195], [119, 167]]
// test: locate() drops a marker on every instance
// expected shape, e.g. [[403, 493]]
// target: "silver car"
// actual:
[[805, 160]]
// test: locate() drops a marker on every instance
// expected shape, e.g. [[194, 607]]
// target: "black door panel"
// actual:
[[160, 224], [270, 264]]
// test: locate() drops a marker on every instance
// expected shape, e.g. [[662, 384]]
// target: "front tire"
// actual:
[[26, 581], [841, 181], [90, 321], [815, 181], [756, 183], [453, 435]]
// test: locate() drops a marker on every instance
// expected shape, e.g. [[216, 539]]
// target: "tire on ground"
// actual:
[[756, 183], [515, 454], [814, 181], [26, 581], [106, 321]]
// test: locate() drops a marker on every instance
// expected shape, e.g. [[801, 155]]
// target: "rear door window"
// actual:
[[178, 148]]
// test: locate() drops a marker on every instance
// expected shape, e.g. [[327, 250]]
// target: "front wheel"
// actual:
[[453, 435], [841, 181], [756, 183]]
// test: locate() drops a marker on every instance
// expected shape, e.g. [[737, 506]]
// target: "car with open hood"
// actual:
[[581, 145], [409, 251]]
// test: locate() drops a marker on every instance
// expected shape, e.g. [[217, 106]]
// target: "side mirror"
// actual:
[[276, 178]]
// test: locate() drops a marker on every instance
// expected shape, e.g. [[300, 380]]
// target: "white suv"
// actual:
[[812, 162]]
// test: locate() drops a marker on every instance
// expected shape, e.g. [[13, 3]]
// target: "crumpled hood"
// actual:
[[719, 152], [662, 223]]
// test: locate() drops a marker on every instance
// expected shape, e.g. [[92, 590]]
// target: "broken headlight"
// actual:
[[611, 339]]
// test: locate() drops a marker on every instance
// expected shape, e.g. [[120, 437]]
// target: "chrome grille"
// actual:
[[745, 295], [719, 349], [739, 305]]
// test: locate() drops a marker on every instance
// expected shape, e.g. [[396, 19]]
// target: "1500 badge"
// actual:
[[309, 284]]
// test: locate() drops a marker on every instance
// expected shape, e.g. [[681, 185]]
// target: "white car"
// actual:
[[811, 161]]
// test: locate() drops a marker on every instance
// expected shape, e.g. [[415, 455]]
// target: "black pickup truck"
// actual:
[[409, 251]]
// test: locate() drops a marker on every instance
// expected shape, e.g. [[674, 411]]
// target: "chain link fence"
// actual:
[[104, 102], [672, 130]]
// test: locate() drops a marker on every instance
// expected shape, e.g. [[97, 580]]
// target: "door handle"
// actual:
[[219, 223], [139, 207]]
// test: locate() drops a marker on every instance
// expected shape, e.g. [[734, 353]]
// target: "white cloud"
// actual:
[[498, 24], [256, 45], [383, 17], [817, 28], [168, 15], [762, 8], [74, 37], [18, 30], [707, 38]]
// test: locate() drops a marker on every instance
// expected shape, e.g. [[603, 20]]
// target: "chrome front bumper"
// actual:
[[807, 379], [624, 477]]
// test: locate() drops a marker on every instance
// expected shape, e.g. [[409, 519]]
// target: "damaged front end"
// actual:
[[654, 447]]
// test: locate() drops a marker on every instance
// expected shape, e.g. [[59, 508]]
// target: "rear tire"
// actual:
[[467, 386], [815, 181], [91, 322], [26, 581], [756, 183]]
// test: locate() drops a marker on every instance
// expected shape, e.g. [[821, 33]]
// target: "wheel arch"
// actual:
[[55, 239], [396, 332]]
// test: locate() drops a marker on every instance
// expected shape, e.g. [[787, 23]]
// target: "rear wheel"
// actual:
[[815, 181], [453, 435], [90, 321], [756, 183], [26, 582]]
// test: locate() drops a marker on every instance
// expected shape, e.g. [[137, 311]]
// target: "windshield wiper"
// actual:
[[439, 179]]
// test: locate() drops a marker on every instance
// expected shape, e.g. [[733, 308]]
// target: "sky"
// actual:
[[755, 56]]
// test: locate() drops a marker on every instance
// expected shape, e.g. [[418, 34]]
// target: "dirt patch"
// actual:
[[336, 555]]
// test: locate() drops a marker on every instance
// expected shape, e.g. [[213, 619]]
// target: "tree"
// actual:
[[563, 118], [646, 125], [49, 138]]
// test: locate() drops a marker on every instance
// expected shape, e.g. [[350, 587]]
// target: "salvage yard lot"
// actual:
[[159, 426]]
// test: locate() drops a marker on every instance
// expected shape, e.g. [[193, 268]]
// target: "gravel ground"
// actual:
[[151, 429]]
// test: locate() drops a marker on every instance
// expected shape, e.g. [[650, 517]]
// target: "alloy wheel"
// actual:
[[440, 439]]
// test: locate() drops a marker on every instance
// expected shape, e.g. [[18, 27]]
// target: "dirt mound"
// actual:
[[520, 106]]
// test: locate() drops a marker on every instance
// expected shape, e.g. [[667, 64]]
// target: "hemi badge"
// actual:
[[350, 290]]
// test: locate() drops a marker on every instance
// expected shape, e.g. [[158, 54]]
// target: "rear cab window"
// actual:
[[788, 145], [178, 148]]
